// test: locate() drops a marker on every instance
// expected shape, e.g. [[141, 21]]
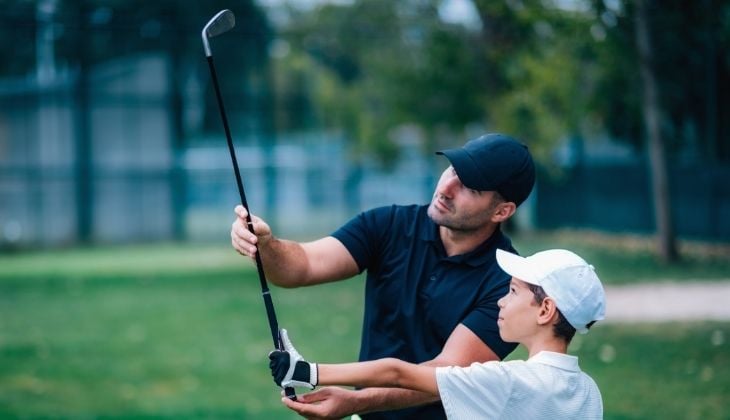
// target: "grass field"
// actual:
[[179, 331]]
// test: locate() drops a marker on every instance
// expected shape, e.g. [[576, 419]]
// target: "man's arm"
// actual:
[[288, 263], [461, 349]]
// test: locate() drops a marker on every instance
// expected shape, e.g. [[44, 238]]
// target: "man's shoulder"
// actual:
[[399, 216], [400, 210]]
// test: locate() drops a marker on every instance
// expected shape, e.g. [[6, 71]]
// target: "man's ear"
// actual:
[[503, 211], [548, 313]]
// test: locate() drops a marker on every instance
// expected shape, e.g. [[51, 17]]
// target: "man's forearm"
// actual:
[[294, 264], [381, 399], [408, 376], [284, 261]]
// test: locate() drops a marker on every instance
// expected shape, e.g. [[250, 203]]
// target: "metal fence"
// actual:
[[616, 197], [128, 179]]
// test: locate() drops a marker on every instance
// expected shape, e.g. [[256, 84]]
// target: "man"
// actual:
[[432, 284], [552, 295]]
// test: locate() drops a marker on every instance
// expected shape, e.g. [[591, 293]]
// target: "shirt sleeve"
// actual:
[[478, 391], [482, 320], [361, 234]]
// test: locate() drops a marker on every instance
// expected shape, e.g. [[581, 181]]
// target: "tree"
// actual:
[[377, 65], [542, 74], [539, 69], [657, 156]]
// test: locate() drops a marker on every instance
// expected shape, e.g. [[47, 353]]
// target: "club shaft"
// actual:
[[268, 303], [229, 22], [271, 313]]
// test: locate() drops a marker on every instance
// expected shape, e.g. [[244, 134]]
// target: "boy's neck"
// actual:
[[549, 343]]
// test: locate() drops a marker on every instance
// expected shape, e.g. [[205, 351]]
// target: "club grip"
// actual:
[[289, 392]]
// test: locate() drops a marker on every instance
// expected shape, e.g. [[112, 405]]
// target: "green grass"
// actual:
[[657, 371], [179, 331]]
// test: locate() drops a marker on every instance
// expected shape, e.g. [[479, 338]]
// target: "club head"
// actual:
[[222, 22]]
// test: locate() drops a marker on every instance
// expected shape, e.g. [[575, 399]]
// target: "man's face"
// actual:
[[459, 208], [517, 313]]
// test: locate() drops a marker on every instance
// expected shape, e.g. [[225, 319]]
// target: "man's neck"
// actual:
[[457, 242]]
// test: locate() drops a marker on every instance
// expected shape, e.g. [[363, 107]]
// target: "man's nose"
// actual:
[[449, 186]]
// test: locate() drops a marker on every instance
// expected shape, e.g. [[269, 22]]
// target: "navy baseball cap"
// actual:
[[494, 162]]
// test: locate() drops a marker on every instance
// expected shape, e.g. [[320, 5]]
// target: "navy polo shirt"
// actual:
[[415, 295]]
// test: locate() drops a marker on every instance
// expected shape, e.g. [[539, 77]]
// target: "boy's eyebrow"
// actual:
[[517, 283]]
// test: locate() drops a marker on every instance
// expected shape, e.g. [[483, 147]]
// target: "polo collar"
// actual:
[[559, 360], [486, 251]]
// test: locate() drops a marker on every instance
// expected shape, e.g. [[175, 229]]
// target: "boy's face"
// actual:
[[517, 313]]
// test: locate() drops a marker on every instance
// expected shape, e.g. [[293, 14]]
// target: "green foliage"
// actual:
[[379, 65], [537, 69]]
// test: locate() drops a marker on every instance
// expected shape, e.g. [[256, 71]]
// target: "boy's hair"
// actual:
[[562, 328]]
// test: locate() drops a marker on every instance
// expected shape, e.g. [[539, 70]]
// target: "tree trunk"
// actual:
[[84, 165], [666, 242]]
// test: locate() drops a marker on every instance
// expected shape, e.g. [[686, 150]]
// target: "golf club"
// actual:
[[222, 22]]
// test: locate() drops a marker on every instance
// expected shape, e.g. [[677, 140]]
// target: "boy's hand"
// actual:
[[289, 368]]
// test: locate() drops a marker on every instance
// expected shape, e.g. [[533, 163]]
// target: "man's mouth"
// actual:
[[442, 206]]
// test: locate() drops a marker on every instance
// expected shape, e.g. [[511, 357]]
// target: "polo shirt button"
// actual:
[[433, 278]]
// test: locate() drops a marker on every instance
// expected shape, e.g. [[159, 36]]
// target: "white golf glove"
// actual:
[[289, 368]]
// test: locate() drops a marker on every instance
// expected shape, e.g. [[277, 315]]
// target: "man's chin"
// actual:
[[435, 214]]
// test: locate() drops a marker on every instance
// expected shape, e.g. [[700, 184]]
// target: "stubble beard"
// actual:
[[454, 221]]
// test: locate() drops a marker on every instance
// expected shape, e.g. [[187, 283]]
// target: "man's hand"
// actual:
[[325, 403], [243, 241], [288, 367]]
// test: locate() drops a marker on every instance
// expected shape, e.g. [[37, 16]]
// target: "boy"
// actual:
[[552, 295]]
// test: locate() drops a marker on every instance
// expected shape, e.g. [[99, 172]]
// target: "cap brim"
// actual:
[[466, 169], [517, 267]]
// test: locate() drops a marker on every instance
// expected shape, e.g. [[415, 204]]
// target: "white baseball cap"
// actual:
[[567, 278]]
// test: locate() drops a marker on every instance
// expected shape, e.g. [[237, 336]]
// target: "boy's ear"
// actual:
[[548, 313]]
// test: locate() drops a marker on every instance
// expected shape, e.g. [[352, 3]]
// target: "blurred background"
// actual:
[[119, 295]]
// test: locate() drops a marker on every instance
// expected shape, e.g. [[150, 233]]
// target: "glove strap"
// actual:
[[313, 374]]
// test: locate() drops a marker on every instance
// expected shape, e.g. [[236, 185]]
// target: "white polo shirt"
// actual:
[[547, 386]]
